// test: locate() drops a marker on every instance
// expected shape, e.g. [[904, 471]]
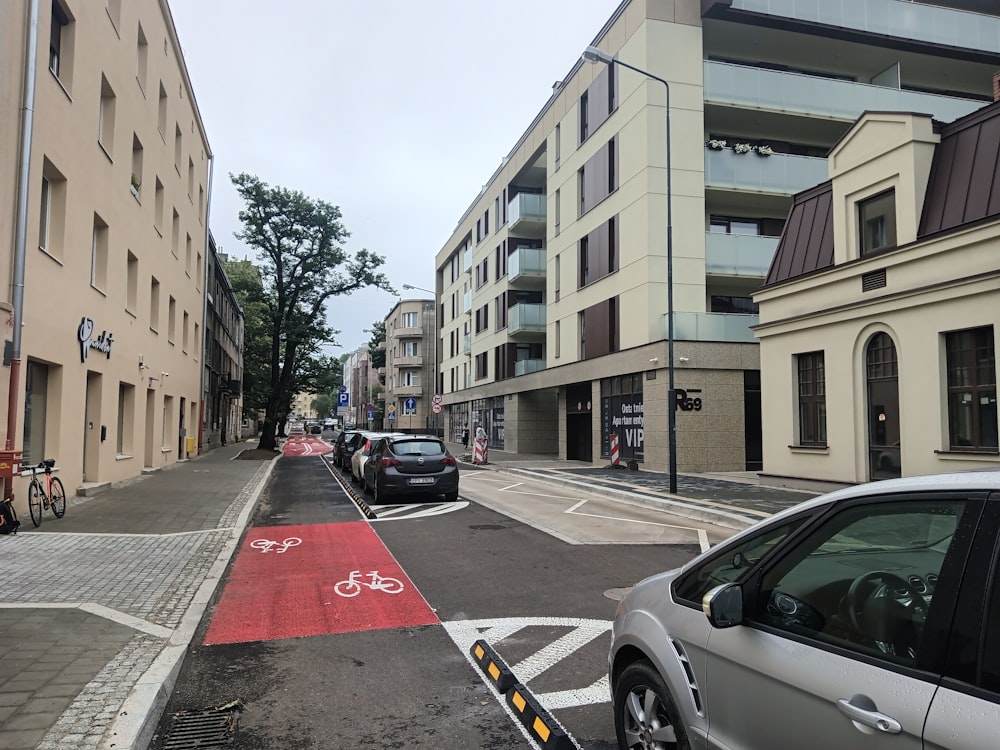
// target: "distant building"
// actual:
[[410, 365], [222, 420], [879, 318], [104, 178]]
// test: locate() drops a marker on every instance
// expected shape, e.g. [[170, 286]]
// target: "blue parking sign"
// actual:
[[343, 398]]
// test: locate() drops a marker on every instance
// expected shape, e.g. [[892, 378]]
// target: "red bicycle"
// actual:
[[49, 495]]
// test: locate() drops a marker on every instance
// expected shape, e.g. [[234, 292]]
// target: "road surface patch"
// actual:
[[295, 581]]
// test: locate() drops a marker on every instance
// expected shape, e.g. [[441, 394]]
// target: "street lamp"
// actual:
[[434, 351], [594, 55]]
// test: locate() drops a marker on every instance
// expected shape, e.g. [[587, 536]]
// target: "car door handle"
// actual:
[[861, 709]]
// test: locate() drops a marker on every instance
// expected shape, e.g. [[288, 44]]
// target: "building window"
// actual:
[[972, 389], [141, 58], [558, 210], [584, 261], [558, 275], [558, 339], [175, 231], [410, 320], [35, 407], [409, 349], [106, 118], [171, 319], [136, 166], [877, 222], [52, 210], [184, 332], [131, 282], [738, 305], [178, 143], [557, 147], [408, 378], [158, 207], [60, 43], [191, 180], [99, 254], [115, 12], [187, 255], [729, 225], [161, 115], [126, 418], [812, 399], [154, 304]]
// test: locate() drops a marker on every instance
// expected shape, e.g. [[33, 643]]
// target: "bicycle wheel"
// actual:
[[58, 498], [35, 494]]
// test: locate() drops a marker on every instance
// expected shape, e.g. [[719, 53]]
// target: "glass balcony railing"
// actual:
[[925, 23], [527, 262], [698, 326], [467, 343], [739, 254], [524, 366], [779, 173], [747, 86], [467, 260], [526, 207], [526, 317], [467, 301]]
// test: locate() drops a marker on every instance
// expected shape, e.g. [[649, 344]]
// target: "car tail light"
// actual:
[[448, 461], [389, 461]]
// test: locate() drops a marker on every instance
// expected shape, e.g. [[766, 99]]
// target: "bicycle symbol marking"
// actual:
[[266, 545], [352, 586]]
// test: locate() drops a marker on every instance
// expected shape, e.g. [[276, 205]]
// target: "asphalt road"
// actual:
[[320, 652]]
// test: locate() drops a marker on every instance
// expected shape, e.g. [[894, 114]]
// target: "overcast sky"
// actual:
[[397, 111]]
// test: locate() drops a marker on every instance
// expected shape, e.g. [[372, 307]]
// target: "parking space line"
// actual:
[[702, 534], [599, 692]]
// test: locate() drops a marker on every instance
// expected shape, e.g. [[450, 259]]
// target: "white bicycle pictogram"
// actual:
[[352, 586], [266, 545]]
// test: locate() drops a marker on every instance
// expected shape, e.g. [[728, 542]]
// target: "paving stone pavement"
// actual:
[[97, 608]]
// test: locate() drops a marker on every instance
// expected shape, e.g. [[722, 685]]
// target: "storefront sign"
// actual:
[[623, 416], [102, 343], [685, 402]]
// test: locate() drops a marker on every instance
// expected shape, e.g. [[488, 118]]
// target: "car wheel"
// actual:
[[645, 714]]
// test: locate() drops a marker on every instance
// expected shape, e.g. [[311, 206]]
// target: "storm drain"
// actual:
[[213, 727]]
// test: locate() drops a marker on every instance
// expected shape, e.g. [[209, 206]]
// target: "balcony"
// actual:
[[755, 88], [526, 318], [525, 366], [526, 215], [407, 362], [739, 254], [467, 343], [402, 332], [781, 174], [467, 302], [404, 391], [467, 260], [727, 327], [526, 267], [905, 21]]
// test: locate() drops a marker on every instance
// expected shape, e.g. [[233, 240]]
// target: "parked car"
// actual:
[[296, 428], [361, 452], [343, 449], [315, 428], [866, 617], [402, 465]]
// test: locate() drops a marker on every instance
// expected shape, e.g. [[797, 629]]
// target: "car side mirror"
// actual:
[[723, 605]]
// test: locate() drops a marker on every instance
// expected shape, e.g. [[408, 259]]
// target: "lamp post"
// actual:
[[433, 353], [594, 55]]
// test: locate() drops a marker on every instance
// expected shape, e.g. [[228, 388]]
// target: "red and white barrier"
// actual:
[[615, 454], [480, 452]]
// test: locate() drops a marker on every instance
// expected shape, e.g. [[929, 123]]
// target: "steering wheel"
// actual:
[[875, 610]]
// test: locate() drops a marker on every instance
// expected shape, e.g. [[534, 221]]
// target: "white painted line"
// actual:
[[599, 692], [703, 540], [114, 615], [559, 649]]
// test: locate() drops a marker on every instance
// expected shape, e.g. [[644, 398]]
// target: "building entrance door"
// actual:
[[884, 457], [92, 428]]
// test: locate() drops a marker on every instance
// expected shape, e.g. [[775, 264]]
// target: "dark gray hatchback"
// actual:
[[410, 465]]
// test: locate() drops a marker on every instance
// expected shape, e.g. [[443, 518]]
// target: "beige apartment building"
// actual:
[[553, 288], [410, 364], [103, 207], [879, 318]]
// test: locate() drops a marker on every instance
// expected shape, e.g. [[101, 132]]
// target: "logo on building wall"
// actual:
[[102, 343], [685, 402]]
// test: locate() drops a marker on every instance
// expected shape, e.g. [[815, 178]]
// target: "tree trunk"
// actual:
[[267, 441]]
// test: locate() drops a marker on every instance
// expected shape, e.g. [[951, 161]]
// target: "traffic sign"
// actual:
[[343, 398], [410, 406], [436, 408], [391, 411], [437, 398], [343, 388]]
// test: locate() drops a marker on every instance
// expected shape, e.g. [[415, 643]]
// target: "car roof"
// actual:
[[958, 481]]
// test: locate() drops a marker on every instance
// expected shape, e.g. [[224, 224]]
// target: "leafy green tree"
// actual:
[[376, 354], [303, 263], [249, 290]]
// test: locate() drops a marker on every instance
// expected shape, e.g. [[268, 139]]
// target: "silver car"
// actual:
[[866, 618]]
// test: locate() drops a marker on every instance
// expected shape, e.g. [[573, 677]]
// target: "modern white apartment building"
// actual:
[[553, 288], [105, 170]]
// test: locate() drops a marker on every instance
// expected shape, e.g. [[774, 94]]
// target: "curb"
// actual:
[[140, 712]]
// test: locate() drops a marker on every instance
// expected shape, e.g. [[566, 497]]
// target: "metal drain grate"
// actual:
[[202, 729]]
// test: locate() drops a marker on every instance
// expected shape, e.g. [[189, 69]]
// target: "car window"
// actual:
[[865, 578], [731, 563], [418, 448]]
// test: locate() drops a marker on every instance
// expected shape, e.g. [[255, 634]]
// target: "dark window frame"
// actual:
[[970, 356], [877, 223], [811, 388]]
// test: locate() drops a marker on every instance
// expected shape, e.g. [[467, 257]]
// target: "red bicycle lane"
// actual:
[[293, 581], [305, 445]]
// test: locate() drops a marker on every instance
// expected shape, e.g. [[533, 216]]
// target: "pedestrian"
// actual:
[[480, 433], [465, 437]]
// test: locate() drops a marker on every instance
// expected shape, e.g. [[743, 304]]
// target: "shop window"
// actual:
[[36, 404], [126, 418]]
